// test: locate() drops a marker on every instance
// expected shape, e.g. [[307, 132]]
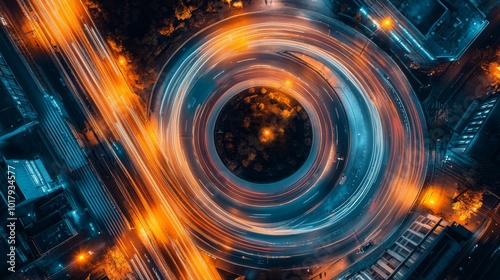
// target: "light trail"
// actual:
[[365, 101], [65, 24], [181, 189]]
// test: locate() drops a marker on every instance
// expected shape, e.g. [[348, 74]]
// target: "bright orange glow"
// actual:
[[266, 135], [66, 24], [81, 257], [238, 4], [433, 198], [493, 71], [159, 202], [387, 22], [122, 60], [288, 82]]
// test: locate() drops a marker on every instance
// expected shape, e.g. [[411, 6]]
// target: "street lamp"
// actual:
[[386, 23], [81, 257]]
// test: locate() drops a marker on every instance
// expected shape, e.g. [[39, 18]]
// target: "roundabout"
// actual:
[[356, 129]]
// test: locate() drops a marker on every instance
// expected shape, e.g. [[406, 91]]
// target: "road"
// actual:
[[366, 121], [54, 123], [362, 109], [64, 28], [60, 136]]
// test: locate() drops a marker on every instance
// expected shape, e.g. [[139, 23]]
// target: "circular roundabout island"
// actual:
[[263, 135]]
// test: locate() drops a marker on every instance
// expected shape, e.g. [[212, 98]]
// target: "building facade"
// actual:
[[476, 136], [422, 252]]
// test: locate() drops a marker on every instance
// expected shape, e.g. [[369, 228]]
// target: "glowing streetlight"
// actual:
[[387, 22], [266, 135], [81, 257], [121, 60]]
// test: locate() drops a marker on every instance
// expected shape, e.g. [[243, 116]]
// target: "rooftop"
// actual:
[[32, 179], [53, 236], [429, 30], [423, 14]]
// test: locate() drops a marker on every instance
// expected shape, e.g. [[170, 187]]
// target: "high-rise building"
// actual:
[[423, 251], [476, 136]]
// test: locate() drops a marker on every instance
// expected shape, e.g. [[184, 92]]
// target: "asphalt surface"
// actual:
[[479, 258], [317, 215], [41, 83], [153, 250], [353, 188], [53, 124]]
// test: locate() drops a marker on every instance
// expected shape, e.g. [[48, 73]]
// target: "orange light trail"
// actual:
[[66, 24]]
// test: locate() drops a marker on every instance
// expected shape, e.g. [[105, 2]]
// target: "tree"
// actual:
[[167, 29], [489, 60], [116, 265], [468, 203], [183, 12], [483, 57], [211, 8]]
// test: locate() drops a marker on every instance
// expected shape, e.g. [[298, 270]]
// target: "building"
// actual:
[[476, 136], [47, 227], [32, 181], [16, 113], [423, 251], [428, 31], [54, 235]]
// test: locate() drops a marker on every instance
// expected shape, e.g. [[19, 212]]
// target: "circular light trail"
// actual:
[[367, 160]]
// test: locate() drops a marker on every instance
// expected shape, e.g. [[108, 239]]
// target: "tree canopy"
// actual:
[[468, 203]]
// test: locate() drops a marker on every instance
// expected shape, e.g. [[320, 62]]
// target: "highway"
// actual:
[[368, 157], [54, 124], [65, 28], [354, 188]]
